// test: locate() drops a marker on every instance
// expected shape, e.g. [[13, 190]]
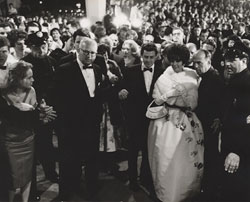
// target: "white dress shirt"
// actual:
[[148, 76], [89, 77]]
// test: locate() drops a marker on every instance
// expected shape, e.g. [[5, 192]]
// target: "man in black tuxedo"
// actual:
[[79, 85], [136, 93]]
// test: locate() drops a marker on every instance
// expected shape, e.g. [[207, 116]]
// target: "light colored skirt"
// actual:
[[175, 150]]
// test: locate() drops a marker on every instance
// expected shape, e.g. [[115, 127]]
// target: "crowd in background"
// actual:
[[199, 51]]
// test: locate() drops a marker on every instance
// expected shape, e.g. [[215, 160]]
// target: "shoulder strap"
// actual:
[[8, 99], [26, 95]]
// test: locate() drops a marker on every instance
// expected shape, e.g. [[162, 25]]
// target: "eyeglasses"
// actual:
[[92, 53]]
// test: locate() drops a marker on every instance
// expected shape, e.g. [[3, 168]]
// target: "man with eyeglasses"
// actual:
[[79, 87], [235, 138], [78, 35]]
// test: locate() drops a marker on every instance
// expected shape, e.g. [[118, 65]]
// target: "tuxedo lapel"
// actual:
[[157, 73], [141, 78], [98, 76], [78, 76]]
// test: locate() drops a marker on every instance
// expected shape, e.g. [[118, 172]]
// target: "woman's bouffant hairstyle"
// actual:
[[135, 48], [17, 73], [178, 52]]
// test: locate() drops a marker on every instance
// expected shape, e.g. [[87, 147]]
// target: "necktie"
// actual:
[[148, 69], [3, 67]]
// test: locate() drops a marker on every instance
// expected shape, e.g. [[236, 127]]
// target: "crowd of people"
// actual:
[[169, 83]]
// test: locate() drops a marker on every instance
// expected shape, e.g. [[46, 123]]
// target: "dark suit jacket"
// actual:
[[135, 106], [79, 115], [235, 133], [209, 103]]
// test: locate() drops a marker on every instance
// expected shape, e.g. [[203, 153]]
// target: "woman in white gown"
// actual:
[[175, 135]]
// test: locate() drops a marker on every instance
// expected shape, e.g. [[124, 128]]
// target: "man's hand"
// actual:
[[216, 125], [123, 94], [47, 114], [232, 163]]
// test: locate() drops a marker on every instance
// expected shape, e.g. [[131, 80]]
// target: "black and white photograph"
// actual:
[[125, 100]]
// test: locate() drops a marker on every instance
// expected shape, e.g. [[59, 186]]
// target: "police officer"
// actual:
[[43, 70]]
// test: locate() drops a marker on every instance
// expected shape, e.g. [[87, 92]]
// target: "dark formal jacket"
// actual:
[[135, 106], [236, 131], [79, 115], [44, 76], [209, 98]]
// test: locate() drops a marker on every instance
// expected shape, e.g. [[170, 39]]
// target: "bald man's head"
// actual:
[[201, 61]]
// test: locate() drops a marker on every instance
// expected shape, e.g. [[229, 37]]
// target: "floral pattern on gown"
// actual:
[[107, 132], [175, 142]]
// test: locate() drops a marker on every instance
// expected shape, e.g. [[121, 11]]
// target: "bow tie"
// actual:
[[3, 67], [148, 69], [87, 67]]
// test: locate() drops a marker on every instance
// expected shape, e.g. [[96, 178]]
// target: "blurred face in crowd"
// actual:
[[114, 39], [39, 51], [201, 63], [28, 80], [126, 50], [234, 66], [186, 29], [32, 29], [178, 36], [77, 42], [70, 29], [148, 39], [51, 44], [4, 31], [87, 52], [55, 35], [162, 31], [241, 29], [20, 45], [192, 49], [4, 51], [203, 36], [197, 31], [122, 35], [148, 58]]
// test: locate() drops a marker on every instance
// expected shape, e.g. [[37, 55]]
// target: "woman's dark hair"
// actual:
[[17, 73], [178, 52]]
